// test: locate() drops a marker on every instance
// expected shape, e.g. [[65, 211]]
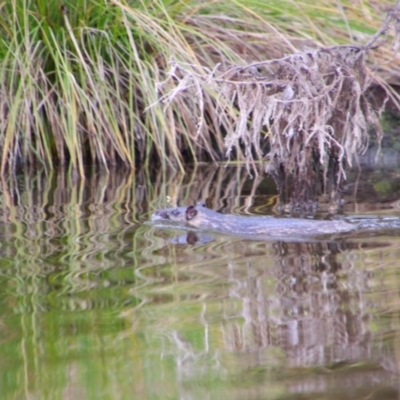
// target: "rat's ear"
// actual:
[[191, 212]]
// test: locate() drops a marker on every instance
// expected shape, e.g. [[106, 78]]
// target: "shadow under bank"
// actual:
[[372, 184]]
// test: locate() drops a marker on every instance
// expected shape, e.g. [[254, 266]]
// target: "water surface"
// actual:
[[97, 305]]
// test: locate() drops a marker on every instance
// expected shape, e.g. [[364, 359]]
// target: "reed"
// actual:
[[78, 78]]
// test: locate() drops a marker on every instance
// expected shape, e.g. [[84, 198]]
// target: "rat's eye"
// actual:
[[175, 213]]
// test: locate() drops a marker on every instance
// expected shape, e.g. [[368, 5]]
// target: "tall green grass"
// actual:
[[78, 77]]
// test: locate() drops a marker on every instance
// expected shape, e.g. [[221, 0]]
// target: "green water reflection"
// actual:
[[97, 305]]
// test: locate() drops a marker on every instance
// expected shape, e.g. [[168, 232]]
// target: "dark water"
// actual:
[[97, 305]]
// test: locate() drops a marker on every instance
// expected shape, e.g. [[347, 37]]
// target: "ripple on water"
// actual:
[[178, 314]]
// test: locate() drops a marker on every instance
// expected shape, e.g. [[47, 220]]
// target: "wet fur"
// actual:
[[205, 219]]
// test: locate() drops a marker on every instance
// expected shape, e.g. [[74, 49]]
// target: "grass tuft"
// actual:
[[78, 78]]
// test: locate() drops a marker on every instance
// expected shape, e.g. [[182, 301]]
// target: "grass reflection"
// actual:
[[97, 305]]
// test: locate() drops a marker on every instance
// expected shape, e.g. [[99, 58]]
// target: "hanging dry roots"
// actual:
[[313, 110], [307, 114]]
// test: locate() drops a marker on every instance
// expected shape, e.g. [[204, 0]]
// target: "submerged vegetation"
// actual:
[[78, 79]]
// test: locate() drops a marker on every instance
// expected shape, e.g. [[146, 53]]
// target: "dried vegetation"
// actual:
[[78, 84], [307, 115]]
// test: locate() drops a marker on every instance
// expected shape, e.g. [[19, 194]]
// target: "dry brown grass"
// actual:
[[306, 115]]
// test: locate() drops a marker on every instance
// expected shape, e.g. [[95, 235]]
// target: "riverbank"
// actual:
[[79, 79]]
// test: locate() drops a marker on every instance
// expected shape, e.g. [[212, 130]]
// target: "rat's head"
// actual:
[[179, 215], [176, 214]]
